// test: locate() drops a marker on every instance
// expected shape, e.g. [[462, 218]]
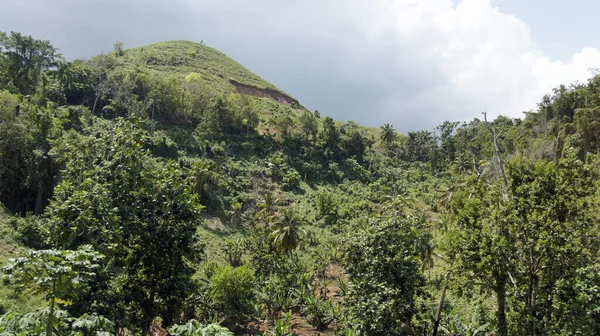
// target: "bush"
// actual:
[[291, 179], [316, 311], [232, 292], [234, 251], [195, 328]]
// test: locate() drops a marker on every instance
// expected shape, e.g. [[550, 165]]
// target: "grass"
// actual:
[[184, 57]]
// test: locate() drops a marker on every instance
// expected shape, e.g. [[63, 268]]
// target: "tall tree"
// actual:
[[387, 134], [140, 213], [309, 124], [330, 137], [25, 59], [554, 234], [62, 75], [383, 269], [477, 242]]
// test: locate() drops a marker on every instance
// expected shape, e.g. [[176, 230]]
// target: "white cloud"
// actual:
[[486, 56], [415, 62]]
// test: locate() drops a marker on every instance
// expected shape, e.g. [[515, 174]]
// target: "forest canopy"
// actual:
[[168, 188]]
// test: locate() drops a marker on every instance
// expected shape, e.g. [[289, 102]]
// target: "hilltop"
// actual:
[[217, 70]]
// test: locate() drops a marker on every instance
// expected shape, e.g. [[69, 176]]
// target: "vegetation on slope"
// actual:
[[140, 192]]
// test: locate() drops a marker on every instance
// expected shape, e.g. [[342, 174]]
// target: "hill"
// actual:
[[217, 70], [146, 189]]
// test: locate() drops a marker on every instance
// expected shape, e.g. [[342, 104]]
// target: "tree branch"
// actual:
[[498, 153]]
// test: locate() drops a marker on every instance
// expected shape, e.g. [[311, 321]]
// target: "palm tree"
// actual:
[[62, 74], [424, 247], [235, 214], [461, 164], [387, 134], [286, 235], [268, 206]]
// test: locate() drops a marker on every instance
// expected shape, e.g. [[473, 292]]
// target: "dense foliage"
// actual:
[[166, 187]]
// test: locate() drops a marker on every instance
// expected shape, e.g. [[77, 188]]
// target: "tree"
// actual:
[[553, 230], [63, 75], [16, 149], [446, 132], [387, 134], [78, 83], [26, 169], [140, 213], [119, 48], [284, 124], [355, 145], [587, 123], [245, 111], [54, 273], [235, 213], [25, 59], [483, 253], [383, 270], [267, 205], [286, 235], [330, 137], [309, 124]]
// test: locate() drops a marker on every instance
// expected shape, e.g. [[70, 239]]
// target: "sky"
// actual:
[[411, 63]]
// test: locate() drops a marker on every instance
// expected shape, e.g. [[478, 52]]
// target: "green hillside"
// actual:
[[167, 187], [216, 73], [184, 57]]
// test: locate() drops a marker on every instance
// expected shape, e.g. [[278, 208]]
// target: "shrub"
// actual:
[[232, 292], [291, 179], [195, 328]]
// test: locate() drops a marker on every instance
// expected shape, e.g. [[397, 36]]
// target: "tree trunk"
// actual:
[[95, 102], [60, 87], [39, 199], [438, 314], [533, 288], [50, 326], [497, 148], [501, 313], [147, 325]]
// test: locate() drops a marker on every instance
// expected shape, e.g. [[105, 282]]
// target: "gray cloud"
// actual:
[[368, 61]]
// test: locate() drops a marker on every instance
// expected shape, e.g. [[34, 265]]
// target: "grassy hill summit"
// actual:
[[219, 71], [166, 188]]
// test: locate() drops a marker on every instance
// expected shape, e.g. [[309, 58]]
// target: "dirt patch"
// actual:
[[272, 94], [334, 272], [213, 223]]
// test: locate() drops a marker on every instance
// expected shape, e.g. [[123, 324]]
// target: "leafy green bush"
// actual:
[[318, 312], [291, 179], [282, 326], [195, 328], [232, 292]]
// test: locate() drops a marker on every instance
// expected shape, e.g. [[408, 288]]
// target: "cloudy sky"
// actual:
[[412, 63]]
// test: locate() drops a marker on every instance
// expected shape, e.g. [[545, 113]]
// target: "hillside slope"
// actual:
[[219, 71], [170, 199]]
